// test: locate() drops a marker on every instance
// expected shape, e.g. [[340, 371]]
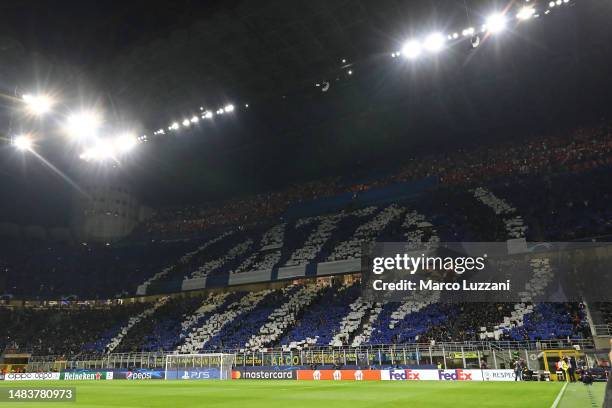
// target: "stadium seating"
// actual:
[[551, 189]]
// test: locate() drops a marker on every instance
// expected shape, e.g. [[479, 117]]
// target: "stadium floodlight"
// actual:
[[102, 150], [186, 122], [411, 49], [559, 2], [228, 108], [37, 104], [125, 142], [173, 126], [83, 125], [551, 4], [525, 13], [468, 31], [194, 119], [207, 115], [496, 23], [220, 111], [22, 142], [434, 42]]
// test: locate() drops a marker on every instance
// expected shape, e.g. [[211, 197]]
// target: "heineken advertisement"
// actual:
[[87, 375]]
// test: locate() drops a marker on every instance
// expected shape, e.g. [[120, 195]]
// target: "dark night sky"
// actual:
[[150, 63]]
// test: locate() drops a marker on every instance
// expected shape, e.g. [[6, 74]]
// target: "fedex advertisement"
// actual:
[[447, 375], [409, 375], [460, 375]]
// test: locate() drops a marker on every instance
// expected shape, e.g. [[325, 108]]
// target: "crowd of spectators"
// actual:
[[92, 271], [582, 149], [61, 330], [73, 331]]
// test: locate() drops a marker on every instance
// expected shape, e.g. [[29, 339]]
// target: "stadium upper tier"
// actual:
[[552, 189], [578, 149]]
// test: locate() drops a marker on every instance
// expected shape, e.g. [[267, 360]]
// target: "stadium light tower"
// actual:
[[37, 104], [22, 142]]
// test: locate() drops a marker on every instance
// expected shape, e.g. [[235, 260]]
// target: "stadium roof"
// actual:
[[151, 63]]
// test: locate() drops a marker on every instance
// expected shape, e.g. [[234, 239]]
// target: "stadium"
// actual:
[[335, 203]]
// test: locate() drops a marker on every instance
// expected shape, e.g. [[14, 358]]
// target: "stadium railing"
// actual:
[[602, 329], [455, 354]]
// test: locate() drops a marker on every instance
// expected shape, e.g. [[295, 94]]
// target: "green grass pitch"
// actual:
[[308, 394]]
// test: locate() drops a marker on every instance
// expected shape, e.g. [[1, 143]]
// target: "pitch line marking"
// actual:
[[558, 399]]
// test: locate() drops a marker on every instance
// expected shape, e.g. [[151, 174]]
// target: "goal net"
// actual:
[[207, 366]]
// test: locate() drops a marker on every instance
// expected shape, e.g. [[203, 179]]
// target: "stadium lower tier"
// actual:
[[322, 313]]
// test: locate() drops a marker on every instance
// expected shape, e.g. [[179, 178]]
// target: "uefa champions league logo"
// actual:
[[358, 375], [337, 375], [316, 375]]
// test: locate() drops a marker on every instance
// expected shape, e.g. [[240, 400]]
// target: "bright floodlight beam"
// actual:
[[83, 125], [125, 142], [434, 42], [37, 104], [102, 150], [411, 49], [525, 13], [496, 23], [468, 32], [22, 142]]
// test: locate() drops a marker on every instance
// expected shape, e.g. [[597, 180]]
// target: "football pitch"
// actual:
[[308, 394]]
